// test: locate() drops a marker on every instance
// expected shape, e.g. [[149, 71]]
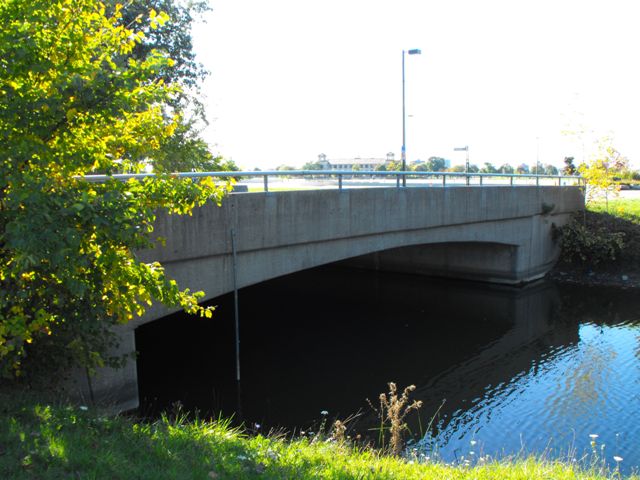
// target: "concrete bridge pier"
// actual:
[[115, 390]]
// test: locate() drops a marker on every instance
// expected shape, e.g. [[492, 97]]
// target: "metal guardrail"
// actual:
[[342, 175]]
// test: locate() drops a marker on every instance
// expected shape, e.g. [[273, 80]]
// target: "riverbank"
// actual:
[[620, 215], [51, 441]]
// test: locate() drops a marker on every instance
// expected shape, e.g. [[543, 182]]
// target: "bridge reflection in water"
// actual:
[[329, 338]]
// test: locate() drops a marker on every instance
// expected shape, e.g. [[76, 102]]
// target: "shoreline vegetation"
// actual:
[[50, 440]]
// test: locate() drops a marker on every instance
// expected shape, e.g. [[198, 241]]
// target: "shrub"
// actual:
[[589, 244]]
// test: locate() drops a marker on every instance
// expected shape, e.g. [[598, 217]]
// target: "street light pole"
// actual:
[[414, 51], [466, 167], [537, 155]]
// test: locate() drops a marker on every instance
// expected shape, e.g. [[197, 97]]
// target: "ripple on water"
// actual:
[[591, 386]]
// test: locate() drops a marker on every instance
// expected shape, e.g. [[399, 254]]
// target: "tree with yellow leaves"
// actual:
[[74, 100], [599, 173]]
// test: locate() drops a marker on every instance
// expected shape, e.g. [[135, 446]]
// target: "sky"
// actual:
[[291, 79]]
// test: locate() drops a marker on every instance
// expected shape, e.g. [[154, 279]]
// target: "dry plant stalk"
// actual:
[[338, 431], [393, 410]]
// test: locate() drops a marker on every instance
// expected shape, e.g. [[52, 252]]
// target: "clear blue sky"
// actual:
[[295, 78]]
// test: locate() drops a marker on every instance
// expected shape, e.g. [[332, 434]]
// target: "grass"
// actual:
[[619, 215], [53, 441], [625, 208]]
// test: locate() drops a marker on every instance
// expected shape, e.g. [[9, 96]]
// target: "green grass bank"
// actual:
[[40, 440]]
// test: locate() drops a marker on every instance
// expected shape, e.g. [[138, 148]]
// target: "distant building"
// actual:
[[362, 164]]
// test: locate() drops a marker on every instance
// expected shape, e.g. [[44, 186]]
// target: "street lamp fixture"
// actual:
[[414, 51]]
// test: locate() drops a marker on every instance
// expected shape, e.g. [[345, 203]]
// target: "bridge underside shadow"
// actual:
[[351, 340], [488, 262]]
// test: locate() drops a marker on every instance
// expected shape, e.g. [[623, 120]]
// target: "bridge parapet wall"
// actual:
[[272, 220]]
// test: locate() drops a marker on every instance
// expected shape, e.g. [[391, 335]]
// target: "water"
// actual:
[[533, 370]]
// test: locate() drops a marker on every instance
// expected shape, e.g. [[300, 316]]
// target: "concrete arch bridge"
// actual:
[[502, 234]]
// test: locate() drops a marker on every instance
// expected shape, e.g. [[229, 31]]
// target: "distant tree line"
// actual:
[[439, 164], [619, 168]]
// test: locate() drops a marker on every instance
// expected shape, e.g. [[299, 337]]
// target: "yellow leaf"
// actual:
[[71, 113], [163, 18]]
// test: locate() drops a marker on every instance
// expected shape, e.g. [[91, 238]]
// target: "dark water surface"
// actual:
[[535, 369]]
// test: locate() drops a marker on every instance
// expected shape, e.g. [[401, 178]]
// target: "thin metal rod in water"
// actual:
[[236, 313]]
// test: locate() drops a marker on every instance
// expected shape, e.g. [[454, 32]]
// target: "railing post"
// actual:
[[444, 180], [537, 180], [511, 179], [339, 181], [481, 179], [398, 181], [266, 183]]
